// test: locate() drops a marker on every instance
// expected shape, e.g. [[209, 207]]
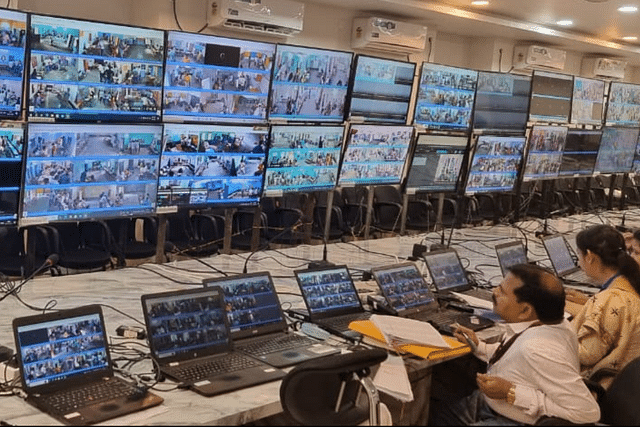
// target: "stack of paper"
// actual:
[[399, 331]]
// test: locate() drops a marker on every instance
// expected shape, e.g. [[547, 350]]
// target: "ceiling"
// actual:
[[598, 27]]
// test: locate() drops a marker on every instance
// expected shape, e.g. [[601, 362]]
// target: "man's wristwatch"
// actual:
[[511, 395]]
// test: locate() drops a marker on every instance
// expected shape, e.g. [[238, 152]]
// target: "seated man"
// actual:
[[535, 371]]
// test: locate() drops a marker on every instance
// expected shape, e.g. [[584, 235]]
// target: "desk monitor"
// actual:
[[617, 149], [206, 166], [436, 163], [495, 164], [216, 79], [92, 71], [309, 84], [381, 90], [502, 102], [550, 97], [635, 169], [623, 105], [545, 148], [303, 159], [445, 97], [580, 153], [587, 107], [375, 155], [13, 29], [79, 171], [11, 152]]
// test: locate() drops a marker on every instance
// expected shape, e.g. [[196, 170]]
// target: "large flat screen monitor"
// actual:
[[617, 149], [623, 105], [445, 97], [11, 156], [495, 164], [309, 84], [303, 159], [207, 166], [80, 171], [436, 163], [375, 155], [13, 37], [92, 71], [381, 90], [216, 79], [635, 169], [580, 153], [545, 148], [550, 97], [502, 102], [587, 107]]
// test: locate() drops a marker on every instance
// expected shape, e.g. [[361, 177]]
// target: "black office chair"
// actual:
[[620, 403], [129, 247], [329, 390]]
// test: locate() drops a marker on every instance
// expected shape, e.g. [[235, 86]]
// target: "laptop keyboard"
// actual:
[[484, 294], [341, 323], [210, 368], [67, 401], [272, 345]]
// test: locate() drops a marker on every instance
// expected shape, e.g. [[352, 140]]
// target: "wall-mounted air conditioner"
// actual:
[[532, 57], [276, 17], [605, 68], [388, 35]]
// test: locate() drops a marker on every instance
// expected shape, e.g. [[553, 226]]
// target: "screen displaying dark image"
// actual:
[[375, 155], [78, 171], [309, 84], [580, 153], [13, 36], [550, 97], [617, 149], [205, 166], [623, 106], [436, 164], [381, 90], [495, 164], [91, 71], [303, 159], [588, 101], [11, 151], [210, 78], [445, 97], [546, 145], [502, 101]]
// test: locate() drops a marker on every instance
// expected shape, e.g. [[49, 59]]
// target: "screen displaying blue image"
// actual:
[[216, 79], [13, 36], [79, 171], [91, 71], [623, 106], [502, 101], [303, 159], [495, 164], [580, 153], [309, 84], [11, 157], [617, 149], [206, 166], [546, 145]]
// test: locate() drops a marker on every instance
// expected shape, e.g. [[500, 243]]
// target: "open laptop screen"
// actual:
[[328, 290], [510, 254], [403, 286], [446, 271], [559, 254]]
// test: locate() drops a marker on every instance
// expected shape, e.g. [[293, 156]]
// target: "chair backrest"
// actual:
[[621, 402]]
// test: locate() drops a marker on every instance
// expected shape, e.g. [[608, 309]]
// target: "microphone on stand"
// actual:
[[622, 228], [323, 262], [48, 263]]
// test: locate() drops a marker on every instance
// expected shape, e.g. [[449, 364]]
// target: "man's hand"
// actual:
[[493, 387], [461, 331]]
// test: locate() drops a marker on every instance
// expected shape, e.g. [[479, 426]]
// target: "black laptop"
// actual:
[[189, 338], [258, 326], [510, 254], [448, 275], [66, 368], [563, 262]]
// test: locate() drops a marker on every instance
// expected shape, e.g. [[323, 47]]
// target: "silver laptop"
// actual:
[[565, 266], [510, 254]]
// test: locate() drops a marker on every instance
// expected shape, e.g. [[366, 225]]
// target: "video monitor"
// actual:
[[495, 164], [92, 71], [617, 149], [375, 155], [303, 159], [623, 106], [381, 90], [445, 97], [13, 37], [216, 79], [80, 171], [11, 152], [436, 164], [309, 84], [546, 145], [550, 97], [580, 153], [587, 107], [502, 102], [208, 166]]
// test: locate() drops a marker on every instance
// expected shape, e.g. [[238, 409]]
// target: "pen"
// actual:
[[470, 343]]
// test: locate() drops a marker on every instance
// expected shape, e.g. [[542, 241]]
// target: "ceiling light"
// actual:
[[565, 22], [480, 2], [628, 9], [630, 38]]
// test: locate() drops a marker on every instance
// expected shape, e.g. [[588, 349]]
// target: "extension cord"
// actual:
[[11, 372]]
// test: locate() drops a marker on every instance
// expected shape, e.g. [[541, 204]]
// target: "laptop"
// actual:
[[331, 298], [67, 371], [258, 326], [190, 340], [510, 254], [563, 262], [408, 295]]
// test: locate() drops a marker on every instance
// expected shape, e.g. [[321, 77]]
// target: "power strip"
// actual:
[[10, 372]]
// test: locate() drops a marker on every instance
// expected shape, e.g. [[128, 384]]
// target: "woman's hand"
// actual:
[[576, 296]]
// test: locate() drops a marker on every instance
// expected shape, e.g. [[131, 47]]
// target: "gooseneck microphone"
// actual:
[[48, 263]]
